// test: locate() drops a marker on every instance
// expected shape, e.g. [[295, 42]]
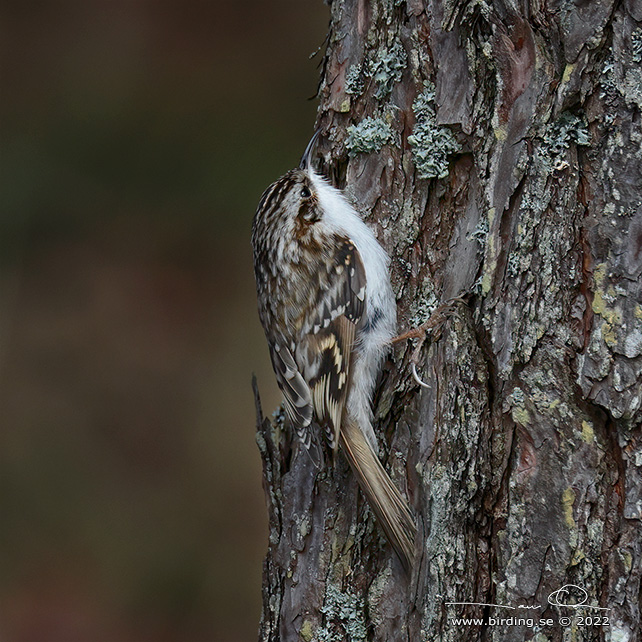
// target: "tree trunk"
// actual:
[[495, 147]]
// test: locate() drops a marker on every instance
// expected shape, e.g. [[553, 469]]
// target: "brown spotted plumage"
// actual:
[[328, 312]]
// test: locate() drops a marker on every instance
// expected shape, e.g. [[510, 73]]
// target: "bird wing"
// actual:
[[326, 352], [296, 392], [314, 375]]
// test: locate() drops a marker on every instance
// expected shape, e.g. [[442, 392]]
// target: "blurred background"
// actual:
[[136, 138]]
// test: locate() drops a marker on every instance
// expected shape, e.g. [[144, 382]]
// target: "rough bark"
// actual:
[[502, 161]]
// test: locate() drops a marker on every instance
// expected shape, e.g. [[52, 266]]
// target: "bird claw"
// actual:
[[432, 326], [416, 376]]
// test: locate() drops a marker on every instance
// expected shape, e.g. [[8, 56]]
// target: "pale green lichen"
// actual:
[[480, 233], [627, 559], [568, 499], [623, 80], [389, 5], [370, 135], [354, 80], [608, 82], [431, 143], [533, 246], [304, 526], [307, 631], [516, 397], [517, 403], [477, 288], [632, 86], [423, 304], [387, 68], [619, 632], [568, 72], [376, 593], [636, 45], [278, 424], [559, 135], [633, 344], [603, 305], [514, 264], [521, 416], [408, 221], [278, 417], [344, 611], [588, 434]]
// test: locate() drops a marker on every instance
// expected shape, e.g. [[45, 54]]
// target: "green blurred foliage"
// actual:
[[136, 139]]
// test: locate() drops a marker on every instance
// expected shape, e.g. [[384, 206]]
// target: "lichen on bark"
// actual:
[[523, 461]]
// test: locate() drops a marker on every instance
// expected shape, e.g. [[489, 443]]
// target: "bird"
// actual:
[[329, 314]]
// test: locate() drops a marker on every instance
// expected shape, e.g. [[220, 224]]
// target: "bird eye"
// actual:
[[305, 192]]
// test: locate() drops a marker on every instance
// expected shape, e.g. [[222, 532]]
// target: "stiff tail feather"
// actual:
[[390, 508]]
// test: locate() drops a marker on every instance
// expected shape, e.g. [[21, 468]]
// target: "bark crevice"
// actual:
[[522, 461]]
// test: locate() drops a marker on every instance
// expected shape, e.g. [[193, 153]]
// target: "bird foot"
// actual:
[[431, 327]]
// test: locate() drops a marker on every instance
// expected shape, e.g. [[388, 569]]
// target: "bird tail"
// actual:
[[390, 508]]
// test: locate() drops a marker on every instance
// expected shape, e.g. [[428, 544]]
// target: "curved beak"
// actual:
[[307, 154]]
